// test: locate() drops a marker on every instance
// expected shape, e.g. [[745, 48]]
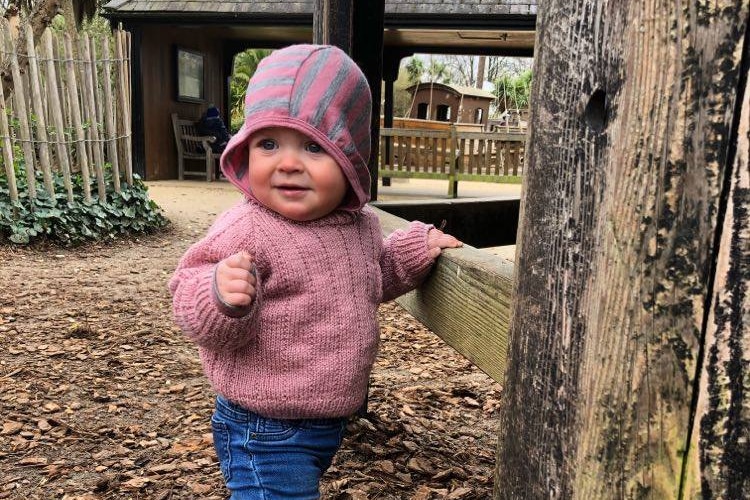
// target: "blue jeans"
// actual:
[[266, 458]]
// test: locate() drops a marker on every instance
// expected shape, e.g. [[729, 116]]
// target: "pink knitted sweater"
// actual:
[[305, 347]]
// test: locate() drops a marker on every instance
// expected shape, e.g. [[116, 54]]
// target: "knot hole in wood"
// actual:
[[595, 113]]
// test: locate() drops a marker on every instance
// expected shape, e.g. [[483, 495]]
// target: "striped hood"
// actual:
[[319, 91]]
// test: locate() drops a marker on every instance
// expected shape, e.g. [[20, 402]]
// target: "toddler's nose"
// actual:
[[290, 161]]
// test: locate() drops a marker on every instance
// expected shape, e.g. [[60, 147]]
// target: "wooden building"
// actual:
[[182, 52], [450, 103]]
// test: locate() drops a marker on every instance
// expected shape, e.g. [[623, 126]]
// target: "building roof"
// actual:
[[458, 89], [238, 8], [494, 27]]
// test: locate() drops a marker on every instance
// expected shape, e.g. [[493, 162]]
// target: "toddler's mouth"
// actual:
[[291, 190]]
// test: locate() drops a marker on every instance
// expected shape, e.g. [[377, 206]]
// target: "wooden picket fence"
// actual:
[[69, 112], [452, 154]]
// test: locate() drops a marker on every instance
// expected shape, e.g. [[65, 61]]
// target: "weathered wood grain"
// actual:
[[56, 110], [7, 148], [19, 103], [109, 105], [719, 464], [633, 106], [37, 103], [75, 114], [465, 301]]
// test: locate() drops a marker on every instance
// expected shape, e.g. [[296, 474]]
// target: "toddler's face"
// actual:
[[292, 175]]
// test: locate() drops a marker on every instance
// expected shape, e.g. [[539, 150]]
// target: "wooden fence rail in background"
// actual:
[[69, 113], [451, 154]]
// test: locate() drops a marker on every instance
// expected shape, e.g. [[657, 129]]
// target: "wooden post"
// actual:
[[7, 148], [718, 464], [88, 67], [75, 112], [98, 95], [56, 106], [110, 106], [357, 28], [456, 157], [367, 51], [41, 120], [122, 51], [629, 169], [332, 23], [19, 103]]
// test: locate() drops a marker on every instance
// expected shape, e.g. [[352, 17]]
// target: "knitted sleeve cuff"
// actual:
[[406, 260], [226, 308], [205, 320]]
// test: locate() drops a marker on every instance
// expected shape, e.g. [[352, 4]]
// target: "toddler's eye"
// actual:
[[314, 147], [267, 144]]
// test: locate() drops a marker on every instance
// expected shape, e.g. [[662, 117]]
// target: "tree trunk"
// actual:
[[39, 20], [630, 159], [480, 71]]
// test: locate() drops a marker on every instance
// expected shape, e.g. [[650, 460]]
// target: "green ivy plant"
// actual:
[[51, 217]]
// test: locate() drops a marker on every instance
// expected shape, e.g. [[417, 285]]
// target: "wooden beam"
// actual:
[[626, 166], [465, 301]]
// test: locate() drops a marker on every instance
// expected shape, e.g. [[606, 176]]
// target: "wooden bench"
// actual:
[[191, 146]]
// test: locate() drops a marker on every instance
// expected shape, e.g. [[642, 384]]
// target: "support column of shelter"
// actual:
[[390, 74], [357, 28]]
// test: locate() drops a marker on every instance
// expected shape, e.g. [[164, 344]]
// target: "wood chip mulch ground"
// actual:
[[102, 398]]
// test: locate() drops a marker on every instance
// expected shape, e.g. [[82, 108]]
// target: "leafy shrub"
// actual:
[[29, 220]]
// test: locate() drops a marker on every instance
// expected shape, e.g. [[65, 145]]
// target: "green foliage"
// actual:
[[414, 70], [512, 91], [26, 221], [402, 98], [245, 64]]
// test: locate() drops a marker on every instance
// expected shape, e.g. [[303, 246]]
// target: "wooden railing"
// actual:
[[466, 301], [451, 154]]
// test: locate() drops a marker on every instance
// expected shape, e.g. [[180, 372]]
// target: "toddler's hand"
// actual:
[[437, 240], [235, 279]]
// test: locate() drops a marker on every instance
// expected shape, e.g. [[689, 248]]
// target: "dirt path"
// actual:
[[101, 397]]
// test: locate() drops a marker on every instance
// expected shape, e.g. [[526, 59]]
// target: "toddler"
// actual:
[[281, 294]]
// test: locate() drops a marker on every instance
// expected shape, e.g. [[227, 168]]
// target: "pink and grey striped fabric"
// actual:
[[319, 91]]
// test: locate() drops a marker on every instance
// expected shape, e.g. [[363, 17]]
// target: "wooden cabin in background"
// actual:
[[450, 103]]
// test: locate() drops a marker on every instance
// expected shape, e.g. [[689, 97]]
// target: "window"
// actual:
[[478, 115], [422, 110], [443, 113], [189, 75]]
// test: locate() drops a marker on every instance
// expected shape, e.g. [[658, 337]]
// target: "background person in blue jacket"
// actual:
[[212, 124]]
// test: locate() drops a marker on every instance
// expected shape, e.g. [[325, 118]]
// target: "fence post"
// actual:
[[123, 92], [41, 120], [75, 111], [10, 170], [89, 100], [454, 166], [53, 94], [19, 103], [626, 187], [109, 119]]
